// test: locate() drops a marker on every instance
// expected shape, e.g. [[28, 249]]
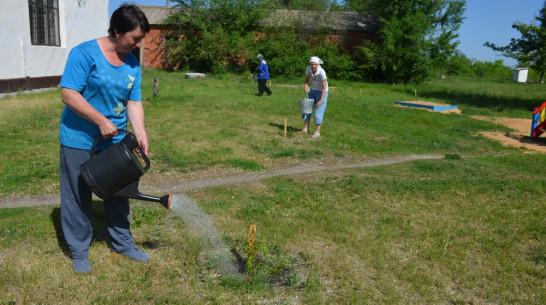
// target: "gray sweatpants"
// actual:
[[76, 216]]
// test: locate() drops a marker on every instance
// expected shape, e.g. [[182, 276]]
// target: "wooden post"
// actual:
[[251, 239], [285, 122], [251, 236]]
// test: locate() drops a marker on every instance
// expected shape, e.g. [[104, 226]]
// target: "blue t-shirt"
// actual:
[[106, 87]]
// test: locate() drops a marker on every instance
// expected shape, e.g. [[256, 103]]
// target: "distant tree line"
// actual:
[[460, 65], [417, 40]]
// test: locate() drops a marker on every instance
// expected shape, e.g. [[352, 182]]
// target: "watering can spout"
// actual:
[[166, 201], [131, 191]]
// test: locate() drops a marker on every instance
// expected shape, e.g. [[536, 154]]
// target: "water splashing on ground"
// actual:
[[200, 224]]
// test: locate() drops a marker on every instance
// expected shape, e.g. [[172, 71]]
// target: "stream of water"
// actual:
[[199, 223]]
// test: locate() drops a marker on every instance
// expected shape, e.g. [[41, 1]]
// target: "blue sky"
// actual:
[[486, 20], [491, 20]]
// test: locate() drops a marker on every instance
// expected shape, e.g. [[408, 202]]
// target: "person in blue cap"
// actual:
[[263, 76]]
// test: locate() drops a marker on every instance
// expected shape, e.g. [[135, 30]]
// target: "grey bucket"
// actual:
[[306, 105]]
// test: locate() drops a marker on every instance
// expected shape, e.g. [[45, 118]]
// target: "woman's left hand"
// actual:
[[319, 103], [143, 143], [135, 114]]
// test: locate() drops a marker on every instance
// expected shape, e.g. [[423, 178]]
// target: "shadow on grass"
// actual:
[[100, 231], [540, 141], [484, 100], [289, 129]]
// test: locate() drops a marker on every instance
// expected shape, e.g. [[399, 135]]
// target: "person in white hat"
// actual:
[[317, 92]]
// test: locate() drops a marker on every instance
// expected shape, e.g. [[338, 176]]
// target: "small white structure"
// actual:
[[37, 36], [520, 75], [195, 75]]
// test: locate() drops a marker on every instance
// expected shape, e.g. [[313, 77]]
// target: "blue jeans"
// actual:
[[319, 113]]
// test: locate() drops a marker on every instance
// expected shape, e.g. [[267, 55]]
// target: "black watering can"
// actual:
[[117, 170]]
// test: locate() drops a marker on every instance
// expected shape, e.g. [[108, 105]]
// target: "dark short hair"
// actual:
[[127, 18]]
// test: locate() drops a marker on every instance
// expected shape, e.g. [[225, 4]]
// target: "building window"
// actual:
[[44, 22]]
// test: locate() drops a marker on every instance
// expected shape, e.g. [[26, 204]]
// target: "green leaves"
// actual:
[[416, 38], [215, 35], [219, 36]]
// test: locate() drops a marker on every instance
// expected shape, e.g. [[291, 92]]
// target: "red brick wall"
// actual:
[[154, 56]]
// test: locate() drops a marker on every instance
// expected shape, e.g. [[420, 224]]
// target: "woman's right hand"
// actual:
[[80, 106], [306, 88], [108, 129]]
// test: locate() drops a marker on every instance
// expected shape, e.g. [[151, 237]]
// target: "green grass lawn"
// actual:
[[466, 229]]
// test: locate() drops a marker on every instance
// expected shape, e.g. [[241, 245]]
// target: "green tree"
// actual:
[[458, 65], [307, 5], [530, 49], [416, 38], [357, 5], [215, 35], [286, 52], [225, 35]]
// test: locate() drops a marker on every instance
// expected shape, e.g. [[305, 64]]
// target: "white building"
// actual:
[[520, 75], [36, 37]]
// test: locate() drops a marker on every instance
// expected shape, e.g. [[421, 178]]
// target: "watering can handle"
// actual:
[[144, 157]]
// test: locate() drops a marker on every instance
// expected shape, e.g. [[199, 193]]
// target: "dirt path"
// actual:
[[156, 184], [185, 186]]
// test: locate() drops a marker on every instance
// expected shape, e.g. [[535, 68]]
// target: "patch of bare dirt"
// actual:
[[520, 137]]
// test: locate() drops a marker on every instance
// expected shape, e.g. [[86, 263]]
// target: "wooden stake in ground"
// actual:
[[251, 239]]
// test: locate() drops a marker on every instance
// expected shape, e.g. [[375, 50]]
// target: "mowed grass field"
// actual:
[[468, 228]]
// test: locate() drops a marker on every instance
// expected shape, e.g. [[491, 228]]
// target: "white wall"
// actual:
[[79, 21]]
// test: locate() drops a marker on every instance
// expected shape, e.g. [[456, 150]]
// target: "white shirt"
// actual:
[[317, 78]]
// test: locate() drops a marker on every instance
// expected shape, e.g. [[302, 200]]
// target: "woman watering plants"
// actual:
[[318, 92], [101, 90]]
